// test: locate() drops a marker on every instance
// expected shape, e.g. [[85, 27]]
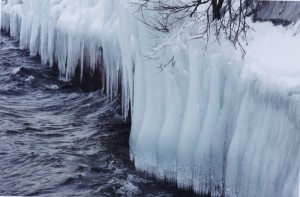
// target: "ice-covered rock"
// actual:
[[280, 12]]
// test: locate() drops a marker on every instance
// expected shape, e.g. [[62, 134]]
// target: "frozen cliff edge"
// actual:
[[280, 12], [74, 36], [211, 121], [222, 125]]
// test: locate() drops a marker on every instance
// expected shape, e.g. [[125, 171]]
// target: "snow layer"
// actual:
[[206, 119]]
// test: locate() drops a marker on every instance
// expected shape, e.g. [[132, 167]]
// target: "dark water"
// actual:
[[56, 140]]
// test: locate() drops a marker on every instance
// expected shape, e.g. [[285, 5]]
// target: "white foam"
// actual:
[[53, 87], [16, 70], [30, 78]]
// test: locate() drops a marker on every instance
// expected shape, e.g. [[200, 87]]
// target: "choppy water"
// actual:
[[56, 140]]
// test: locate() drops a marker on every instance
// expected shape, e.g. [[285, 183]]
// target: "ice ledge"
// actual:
[[74, 37], [220, 124], [231, 135]]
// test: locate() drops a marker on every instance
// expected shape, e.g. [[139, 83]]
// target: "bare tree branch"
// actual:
[[223, 18]]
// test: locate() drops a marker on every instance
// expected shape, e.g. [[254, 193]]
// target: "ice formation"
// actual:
[[209, 120], [76, 35]]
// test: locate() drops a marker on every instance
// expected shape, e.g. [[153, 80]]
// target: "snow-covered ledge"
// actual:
[[211, 121]]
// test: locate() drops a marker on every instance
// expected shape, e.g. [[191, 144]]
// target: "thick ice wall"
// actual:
[[218, 123]]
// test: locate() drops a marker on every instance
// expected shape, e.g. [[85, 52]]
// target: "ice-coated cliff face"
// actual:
[[280, 12], [209, 120], [221, 124]]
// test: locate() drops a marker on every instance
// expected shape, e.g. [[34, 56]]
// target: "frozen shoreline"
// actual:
[[214, 121]]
